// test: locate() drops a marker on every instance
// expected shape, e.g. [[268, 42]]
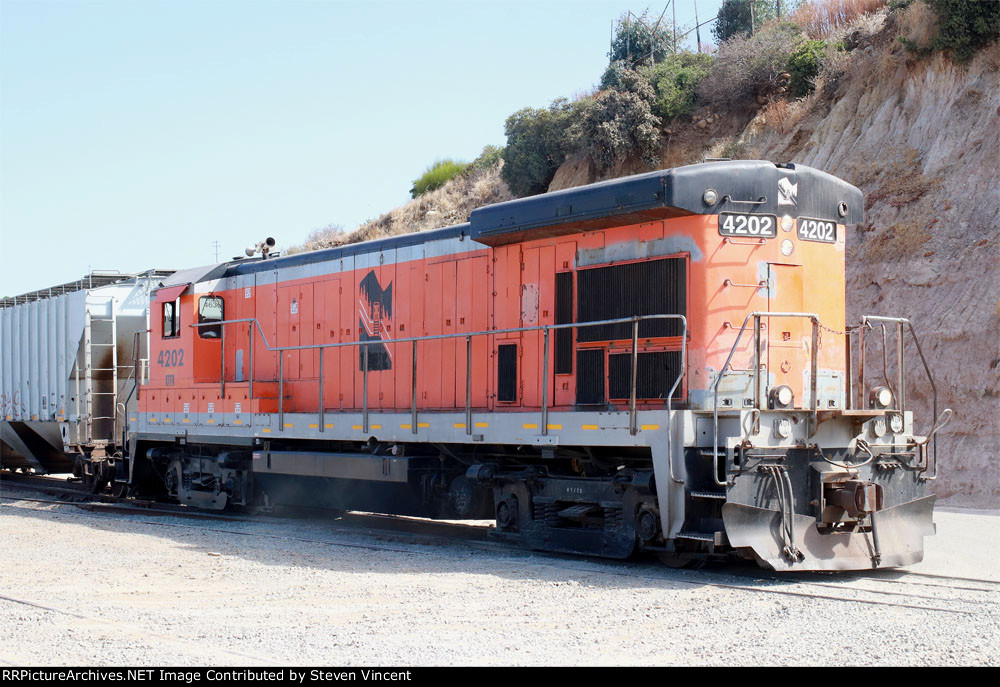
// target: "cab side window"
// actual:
[[210, 309], [171, 319]]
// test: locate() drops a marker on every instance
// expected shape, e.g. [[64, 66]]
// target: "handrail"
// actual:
[[756, 315], [633, 426], [900, 321]]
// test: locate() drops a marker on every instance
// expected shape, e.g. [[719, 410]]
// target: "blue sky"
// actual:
[[133, 134]]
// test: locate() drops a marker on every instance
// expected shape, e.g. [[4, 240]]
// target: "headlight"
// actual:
[[880, 397], [781, 397]]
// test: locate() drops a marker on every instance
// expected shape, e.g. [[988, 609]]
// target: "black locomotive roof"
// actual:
[[347, 250], [740, 185]]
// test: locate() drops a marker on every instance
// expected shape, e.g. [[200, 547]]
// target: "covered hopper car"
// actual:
[[68, 359], [659, 362]]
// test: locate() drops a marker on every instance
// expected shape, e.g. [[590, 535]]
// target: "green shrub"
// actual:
[[965, 26], [537, 143], [617, 125], [487, 159], [614, 75], [749, 66], [436, 176], [675, 81], [803, 66]]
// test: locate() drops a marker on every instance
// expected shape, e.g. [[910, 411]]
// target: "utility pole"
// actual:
[[673, 4], [215, 244], [697, 27], [628, 49]]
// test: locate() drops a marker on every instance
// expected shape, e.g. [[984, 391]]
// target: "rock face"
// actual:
[[921, 138]]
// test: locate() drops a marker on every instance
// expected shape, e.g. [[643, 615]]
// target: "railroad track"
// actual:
[[397, 534]]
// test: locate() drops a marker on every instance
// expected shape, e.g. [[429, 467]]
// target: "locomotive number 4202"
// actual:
[[739, 224], [817, 230]]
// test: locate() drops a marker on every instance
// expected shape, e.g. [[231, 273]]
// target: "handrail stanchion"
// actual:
[[670, 399], [468, 384], [756, 361], [364, 392], [814, 373], [861, 365], [250, 372], [281, 391], [849, 366], [322, 416], [222, 377], [633, 427], [900, 384], [413, 391], [545, 382]]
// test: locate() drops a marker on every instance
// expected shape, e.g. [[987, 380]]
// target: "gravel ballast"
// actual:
[[82, 588]]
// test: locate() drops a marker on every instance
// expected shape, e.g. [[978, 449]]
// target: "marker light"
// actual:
[[710, 196], [896, 423], [878, 427], [783, 428]]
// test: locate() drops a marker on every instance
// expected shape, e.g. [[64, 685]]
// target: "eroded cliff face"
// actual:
[[921, 138]]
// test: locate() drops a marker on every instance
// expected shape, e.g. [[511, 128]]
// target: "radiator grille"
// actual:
[[657, 373], [653, 287]]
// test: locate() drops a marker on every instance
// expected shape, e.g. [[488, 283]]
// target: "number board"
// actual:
[[741, 224], [817, 230]]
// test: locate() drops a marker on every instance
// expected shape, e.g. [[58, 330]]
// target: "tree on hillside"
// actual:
[[735, 16], [536, 146], [636, 38]]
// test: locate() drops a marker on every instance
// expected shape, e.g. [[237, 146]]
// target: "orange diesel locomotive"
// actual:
[[658, 362]]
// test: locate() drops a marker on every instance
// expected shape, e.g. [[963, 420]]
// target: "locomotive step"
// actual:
[[721, 495], [697, 536]]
